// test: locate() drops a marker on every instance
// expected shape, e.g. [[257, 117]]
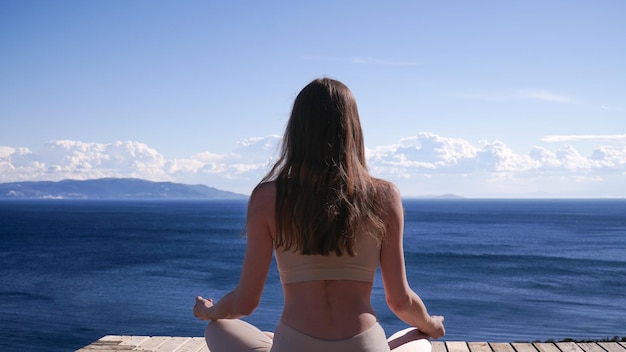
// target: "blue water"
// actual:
[[498, 270]]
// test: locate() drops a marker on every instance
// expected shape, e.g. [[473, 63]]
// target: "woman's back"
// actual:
[[327, 309]]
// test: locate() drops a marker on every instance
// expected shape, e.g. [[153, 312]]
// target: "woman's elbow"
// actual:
[[398, 304], [246, 306]]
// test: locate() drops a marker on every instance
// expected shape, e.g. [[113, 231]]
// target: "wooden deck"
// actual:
[[113, 343]]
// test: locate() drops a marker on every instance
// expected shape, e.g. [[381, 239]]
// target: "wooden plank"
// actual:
[[112, 343], [457, 346], [194, 344], [501, 347], [204, 349], [612, 346], [523, 347], [133, 340], [569, 347], [590, 347], [105, 346], [438, 346], [546, 347], [108, 343], [102, 348], [479, 347], [153, 343], [172, 344]]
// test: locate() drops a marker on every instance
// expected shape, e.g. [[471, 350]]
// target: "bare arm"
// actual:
[[245, 298], [401, 299]]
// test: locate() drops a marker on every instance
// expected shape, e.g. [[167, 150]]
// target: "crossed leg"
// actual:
[[235, 335]]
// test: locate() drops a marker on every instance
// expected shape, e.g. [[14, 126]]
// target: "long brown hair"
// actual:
[[325, 195]]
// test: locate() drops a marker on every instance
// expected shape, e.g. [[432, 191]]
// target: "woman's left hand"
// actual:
[[200, 309]]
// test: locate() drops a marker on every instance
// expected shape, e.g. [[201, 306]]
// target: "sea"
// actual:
[[72, 271]]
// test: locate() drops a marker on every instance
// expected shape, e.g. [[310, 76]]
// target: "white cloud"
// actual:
[[65, 159], [497, 157], [424, 151], [257, 148], [428, 164], [423, 164], [575, 138], [5, 151]]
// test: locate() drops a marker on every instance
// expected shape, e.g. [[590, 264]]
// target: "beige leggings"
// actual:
[[236, 335]]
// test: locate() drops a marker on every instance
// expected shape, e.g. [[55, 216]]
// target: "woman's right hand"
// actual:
[[436, 329], [201, 307]]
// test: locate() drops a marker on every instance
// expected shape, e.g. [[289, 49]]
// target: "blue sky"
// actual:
[[477, 98]]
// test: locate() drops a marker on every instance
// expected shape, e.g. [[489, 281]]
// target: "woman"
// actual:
[[330, 225]]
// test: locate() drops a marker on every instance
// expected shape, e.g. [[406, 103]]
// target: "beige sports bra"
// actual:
[[295, 267]]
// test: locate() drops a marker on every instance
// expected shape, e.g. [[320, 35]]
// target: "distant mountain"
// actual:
[[111, 188]]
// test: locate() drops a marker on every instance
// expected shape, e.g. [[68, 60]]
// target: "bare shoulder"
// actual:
[[387, 192], [264, 190], [263, 197]]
